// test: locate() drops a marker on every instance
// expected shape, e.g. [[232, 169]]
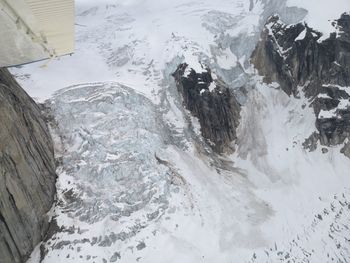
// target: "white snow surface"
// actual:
[[137, 183], [132, 41], [301, 35], [322, 13]]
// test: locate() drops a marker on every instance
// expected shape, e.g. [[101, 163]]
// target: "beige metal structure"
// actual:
[[32, 30]]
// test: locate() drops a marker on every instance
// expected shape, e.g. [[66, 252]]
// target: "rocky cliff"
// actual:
[[27, 172], [212, 102], [300, 59]]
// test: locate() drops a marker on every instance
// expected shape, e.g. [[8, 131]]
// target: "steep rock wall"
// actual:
[[295, 56], [212, 102], [27, 172]]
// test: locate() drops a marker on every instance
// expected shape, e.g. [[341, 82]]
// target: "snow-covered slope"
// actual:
[[132, 41], [302, 188], [321, 13], [138, 183]]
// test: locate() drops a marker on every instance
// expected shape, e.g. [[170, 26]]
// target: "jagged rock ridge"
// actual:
[[27, 172], [212, 102], [296, 56]]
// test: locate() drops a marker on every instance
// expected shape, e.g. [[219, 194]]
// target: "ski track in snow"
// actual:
[[136, 181]]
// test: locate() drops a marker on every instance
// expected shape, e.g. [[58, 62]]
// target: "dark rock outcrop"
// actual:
[[212, 102], [295, 56], [27, 172]]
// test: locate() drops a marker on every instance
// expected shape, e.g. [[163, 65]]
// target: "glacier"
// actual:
[[136, 180]]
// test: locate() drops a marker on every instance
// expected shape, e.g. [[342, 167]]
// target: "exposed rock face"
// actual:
[[212, 102], [27, 172], [295, 55]]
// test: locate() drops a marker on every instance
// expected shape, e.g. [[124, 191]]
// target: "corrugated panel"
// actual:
[[19, 8], [35, 29], [18, 35], [56, 19]]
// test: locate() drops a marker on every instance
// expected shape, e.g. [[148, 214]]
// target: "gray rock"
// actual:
[[346, 149], [217, 110], [27, 172], [320, 67], [311, 142], [116, 256], [141, 245], [324, 150]]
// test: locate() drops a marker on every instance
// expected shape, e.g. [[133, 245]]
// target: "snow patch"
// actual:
[[301, 35], [212, 86], [322, 13]]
